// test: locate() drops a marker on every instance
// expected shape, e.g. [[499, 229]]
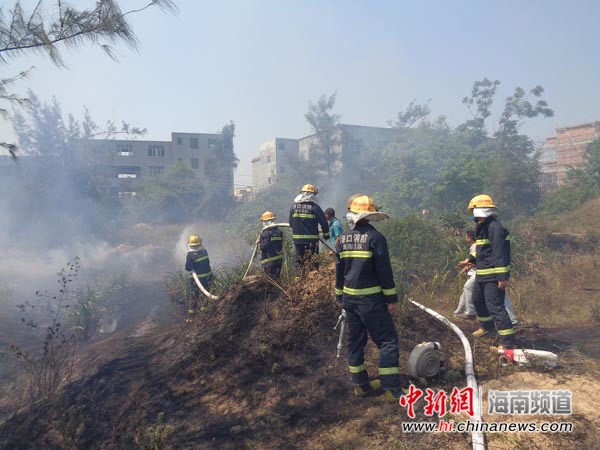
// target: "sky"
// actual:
[[259, 63]]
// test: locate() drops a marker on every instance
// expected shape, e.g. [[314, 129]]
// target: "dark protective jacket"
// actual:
[[271, 245], [363, 268], [492, 254], [197, 260], [305, 219]]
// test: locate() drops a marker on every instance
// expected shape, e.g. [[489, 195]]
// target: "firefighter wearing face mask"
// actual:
[[366, 290], [492, 266], [271, 246], [197, 261], [305, 217]]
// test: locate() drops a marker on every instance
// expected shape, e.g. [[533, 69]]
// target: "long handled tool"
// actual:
[[341, 320]]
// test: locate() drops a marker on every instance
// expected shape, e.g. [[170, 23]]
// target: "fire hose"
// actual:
[[202, 288], [276, 225], [478, 437]]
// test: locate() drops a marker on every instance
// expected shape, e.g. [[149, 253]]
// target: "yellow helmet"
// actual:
[[361, 204], [309, 188], [481, 201], [267, 215], [194, 239]]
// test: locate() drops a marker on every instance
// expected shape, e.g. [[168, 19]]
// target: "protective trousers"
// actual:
[[373, 318], [489, 304], [274, 269], [305, 251]]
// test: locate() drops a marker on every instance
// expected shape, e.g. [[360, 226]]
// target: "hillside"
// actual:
[[258, 370]]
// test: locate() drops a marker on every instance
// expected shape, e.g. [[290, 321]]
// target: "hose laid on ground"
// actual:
[[202, 288], [477, 436], [275, 225]]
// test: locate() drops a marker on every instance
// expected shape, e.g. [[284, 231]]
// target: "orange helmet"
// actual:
[[267, 215], [481, 201], [361, 204], [309, 188]]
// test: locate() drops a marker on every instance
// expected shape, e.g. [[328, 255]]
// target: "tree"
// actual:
[[43, 30], [588, 173], [324, 127], [172, 197], [412, 115]]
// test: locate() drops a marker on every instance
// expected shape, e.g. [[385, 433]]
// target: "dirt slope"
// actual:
[[257, 370]]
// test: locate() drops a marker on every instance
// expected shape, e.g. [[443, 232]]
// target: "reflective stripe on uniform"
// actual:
[[473, 253], [389, 370], [203, 275], [482, 241], [277, 238], [304, 216], [364, 291], [485, 319], [356, 254], [338, 291], [506, 332], [357, 369], [274, 258], [202, 258], [507, 238], [493, 270], [391, 291], [305, 236]]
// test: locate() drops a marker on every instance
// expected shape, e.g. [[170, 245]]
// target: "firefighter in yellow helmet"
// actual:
[[305, 217], [492, 268], [271, 246], [364, 285], [197, 261]]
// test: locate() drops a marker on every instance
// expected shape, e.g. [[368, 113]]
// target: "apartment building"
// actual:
[[272, 161], [566, 150]]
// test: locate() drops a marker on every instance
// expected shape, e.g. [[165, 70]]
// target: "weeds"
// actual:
[[155, 436]]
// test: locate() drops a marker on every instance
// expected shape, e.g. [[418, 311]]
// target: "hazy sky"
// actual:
[[259, 62]]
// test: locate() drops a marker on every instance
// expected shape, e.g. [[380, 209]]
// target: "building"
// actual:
[[566, 150], [120, 164], [243, 193], [274, 155], [352, 144]]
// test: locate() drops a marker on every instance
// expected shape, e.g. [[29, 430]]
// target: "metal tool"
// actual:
[[341, 320]]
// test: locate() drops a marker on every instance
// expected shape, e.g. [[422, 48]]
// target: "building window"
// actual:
[[195, 163], [156, 150], [212, 144], [179, 159], [179, 140], [124, 149], [269, 158], [281, 146], [269, 180], [128, 172], [155, 171], [194, 143]]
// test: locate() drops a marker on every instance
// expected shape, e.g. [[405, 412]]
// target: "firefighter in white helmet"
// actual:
[[364, 285]]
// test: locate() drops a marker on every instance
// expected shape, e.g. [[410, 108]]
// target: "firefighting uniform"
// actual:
[[305, 218], [271, 246], [364, 284], [492, 264], [197, 261]]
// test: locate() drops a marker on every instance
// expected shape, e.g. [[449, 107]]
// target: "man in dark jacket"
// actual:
[[271, 246], [197, 261], [364, 285], [305, 217], [492, 265]]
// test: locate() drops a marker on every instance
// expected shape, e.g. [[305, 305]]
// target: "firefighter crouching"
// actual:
[[365, 288], [492, 265], [271, 246], [197, 261], [305, 217]]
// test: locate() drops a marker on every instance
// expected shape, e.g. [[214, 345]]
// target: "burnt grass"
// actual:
[[255, 370]]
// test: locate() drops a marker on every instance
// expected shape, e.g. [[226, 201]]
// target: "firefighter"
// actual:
[[492, 268], [364, 285], [305, 217], [271, 246], [197, 261]]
